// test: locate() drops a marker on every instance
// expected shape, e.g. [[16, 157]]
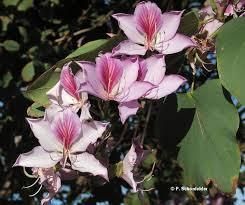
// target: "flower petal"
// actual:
[[156, 67], [53, 93], [128, 108], [148, 18], [91, 131], [129, 162], [128, 25], [130, 73], [86, 162], [169, 84], [59, 96], [178, 43], [128, 47], [37, 157], [170, 25], [229, 11], [51, 111], [129, 178], [212, 26], [52, 184], [85, 114], [93, 85], [68, 81], [67, 127], [136, 91], [43, 132], [109, 71]]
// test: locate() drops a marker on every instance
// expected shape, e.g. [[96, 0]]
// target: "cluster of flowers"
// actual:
[[123, 76], [211, 20]]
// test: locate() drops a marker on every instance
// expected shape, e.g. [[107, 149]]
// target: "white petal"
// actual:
[[86, 162], [38, 157], [91, 131], [42, 131]]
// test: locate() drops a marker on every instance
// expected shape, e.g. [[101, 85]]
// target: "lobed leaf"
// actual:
[[230, 49], [209, 151]]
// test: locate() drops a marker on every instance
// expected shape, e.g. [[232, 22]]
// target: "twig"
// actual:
[[146, 122], [122, 134]]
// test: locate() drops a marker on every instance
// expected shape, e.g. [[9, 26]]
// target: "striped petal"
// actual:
[[69, 82], [67, 127], [148, 18], [109, 71]]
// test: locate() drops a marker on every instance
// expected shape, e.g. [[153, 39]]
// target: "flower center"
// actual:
[[148, 21]]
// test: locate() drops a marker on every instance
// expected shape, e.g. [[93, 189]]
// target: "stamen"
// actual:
[[27, 187], [65, 161], [71, 157], [36, 191], [27, 174], [148, 177], [146, 190]]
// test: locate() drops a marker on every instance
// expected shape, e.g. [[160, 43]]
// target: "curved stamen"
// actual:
[[31, 195], [146, 190], [149, 176], [27, 174], [27, 187]]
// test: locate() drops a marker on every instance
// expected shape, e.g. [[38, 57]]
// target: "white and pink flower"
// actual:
[[150, 29], [64, 138]]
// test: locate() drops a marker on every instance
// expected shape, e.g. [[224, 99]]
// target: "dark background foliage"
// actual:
[[44, 32]]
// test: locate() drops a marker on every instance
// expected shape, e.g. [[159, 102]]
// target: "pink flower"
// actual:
[[65, 94], [114, 79], [210, 23], [150, 29], [50, 180], [64, 138], [235, 7], [153, 70], [132, 158], [229, 11]]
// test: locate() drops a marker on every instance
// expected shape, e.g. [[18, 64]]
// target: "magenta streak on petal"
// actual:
[[148, 20], [68, 82], [110, 71], [67, 127]]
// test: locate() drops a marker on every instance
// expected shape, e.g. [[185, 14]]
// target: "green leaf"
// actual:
[[11, 45], [150, 183], [133, 199], [35, 110], [185, 101], [10, 2], [189, 23], [7, 77], [150, 160], [230, 57], [90, 50], [28, 72], [25, 5], [5, 20], [210, 151], [37, 90], [90, 46]]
